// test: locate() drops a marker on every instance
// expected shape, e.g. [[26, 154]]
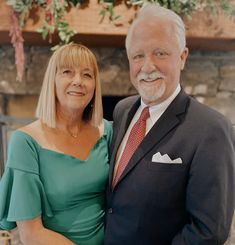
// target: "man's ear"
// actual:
[[183, 57]]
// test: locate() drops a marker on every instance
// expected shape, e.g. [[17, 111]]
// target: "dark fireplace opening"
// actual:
[[109, 103]]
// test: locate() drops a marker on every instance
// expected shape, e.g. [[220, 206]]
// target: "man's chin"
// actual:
[[152, 99], [154, 95]]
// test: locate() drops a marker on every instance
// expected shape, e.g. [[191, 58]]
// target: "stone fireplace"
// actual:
[[209, 76]]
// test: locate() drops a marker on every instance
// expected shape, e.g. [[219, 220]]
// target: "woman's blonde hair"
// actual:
[[69, 56]]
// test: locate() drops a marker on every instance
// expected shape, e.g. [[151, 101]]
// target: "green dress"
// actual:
[[67, 192]]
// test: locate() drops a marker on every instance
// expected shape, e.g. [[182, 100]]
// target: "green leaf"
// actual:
[[102, 12]]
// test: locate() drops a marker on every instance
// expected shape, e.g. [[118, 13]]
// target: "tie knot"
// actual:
[[145, 114]]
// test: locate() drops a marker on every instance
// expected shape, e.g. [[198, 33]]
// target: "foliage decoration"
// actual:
[[55, 21], [182, 7], [17, 42]]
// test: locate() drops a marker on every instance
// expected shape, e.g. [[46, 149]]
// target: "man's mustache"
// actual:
[[149, 76]]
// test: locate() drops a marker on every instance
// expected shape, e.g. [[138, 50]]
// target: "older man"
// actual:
[[172, 163]]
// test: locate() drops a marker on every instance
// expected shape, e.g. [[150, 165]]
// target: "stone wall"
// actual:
[[208, 76]]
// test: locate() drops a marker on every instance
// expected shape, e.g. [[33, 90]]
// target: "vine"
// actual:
[[182, 7], [55, 17]]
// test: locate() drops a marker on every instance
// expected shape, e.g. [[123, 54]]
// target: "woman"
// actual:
[[57, 168]]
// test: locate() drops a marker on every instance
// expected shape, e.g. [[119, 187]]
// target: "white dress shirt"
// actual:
[[155, 112]]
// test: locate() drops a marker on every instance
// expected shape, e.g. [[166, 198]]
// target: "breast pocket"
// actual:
[[166, 167]]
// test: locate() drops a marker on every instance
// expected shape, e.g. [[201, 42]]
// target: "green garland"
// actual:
[[55, 9], [55, 21], [182, 7], [54, 16]]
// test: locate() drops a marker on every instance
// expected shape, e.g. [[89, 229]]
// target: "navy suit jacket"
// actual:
[[157, 203]]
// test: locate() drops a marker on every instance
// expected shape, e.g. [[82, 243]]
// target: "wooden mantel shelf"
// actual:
[[204, 31]]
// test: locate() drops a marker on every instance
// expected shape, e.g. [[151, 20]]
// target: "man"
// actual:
[[174, 183]]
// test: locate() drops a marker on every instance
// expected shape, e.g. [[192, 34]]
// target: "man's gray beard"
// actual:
[[152, 95]]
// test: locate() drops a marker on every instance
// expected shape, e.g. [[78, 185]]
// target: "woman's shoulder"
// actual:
[[107, 125], [22, 134], [37, 131], [33, 129], [23, 150], [108, 128]]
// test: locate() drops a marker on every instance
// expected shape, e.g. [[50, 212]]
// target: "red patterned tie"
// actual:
[[136, 136]]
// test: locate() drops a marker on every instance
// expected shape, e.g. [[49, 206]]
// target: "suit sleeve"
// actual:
[[116, 119], [210, 190]]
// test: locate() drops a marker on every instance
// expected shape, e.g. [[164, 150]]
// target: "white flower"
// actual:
[[183, 1]]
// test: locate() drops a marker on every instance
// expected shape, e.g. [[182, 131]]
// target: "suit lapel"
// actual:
[[169, 120]]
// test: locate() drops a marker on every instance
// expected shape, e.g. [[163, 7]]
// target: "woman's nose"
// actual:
[[76, 81]]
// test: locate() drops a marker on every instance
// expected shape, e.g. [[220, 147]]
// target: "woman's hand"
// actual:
[[32, 232]]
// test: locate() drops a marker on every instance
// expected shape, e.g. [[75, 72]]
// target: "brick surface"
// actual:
[[22, 106], [223, 105], [208, 75], [1, 104]]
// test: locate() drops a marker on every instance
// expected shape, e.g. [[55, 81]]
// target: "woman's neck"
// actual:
[[70, 123]]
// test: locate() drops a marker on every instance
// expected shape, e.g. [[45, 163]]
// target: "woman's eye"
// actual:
[[87, 75], [66, 71]]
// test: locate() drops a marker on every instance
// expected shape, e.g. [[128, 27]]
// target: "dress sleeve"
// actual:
[[21, 190], [108, 130]]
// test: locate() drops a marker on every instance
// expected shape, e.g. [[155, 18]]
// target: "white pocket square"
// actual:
[[158, 157]]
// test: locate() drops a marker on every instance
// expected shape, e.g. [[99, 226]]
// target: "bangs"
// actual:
[[69, 56], [75, 57]]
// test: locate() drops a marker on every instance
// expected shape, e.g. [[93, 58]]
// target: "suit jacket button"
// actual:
[[110, 210]]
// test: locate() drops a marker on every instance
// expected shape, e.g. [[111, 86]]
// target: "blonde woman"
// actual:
[[57, 168]]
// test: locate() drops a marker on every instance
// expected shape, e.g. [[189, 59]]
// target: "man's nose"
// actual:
[[148, 65]]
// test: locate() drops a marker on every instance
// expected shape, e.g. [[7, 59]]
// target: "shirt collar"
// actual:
[[160, 108]]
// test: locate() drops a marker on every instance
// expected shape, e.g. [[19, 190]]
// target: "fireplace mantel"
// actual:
[[204, 31]]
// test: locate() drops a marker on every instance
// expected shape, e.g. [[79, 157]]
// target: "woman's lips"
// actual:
[[75, 93]]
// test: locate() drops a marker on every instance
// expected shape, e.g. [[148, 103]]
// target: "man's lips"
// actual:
[[75, 93], [150, 80]]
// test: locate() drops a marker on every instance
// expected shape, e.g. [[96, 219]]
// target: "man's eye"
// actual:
[[161, 54], [138, 56]]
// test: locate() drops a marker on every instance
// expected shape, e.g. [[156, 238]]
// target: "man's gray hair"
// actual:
[[154, 10]]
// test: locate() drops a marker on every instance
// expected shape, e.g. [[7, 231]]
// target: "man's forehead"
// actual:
[[153, 21], [152, 27]]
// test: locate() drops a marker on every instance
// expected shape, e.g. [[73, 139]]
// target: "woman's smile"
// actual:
[[76, 93]]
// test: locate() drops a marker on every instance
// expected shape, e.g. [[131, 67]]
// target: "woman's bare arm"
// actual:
[[32, 232]]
